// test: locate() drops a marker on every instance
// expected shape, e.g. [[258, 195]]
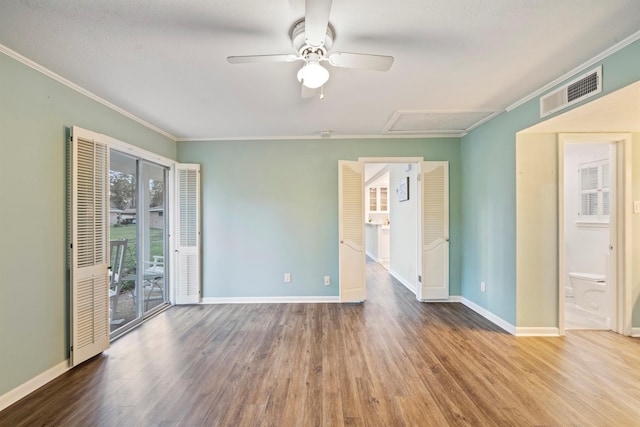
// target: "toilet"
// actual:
[[589, 292]]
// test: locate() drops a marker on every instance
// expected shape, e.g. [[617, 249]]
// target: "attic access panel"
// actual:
[[436, 121]]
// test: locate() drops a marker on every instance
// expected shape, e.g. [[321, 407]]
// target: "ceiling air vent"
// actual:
[[581, 88]]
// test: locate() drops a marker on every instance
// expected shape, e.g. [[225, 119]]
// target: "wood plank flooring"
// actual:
[[391, 361]]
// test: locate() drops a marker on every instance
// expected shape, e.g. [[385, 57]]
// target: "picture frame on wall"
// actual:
[[403, 190]]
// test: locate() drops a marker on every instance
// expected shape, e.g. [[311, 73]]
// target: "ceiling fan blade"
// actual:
[[361, 60], [251, 59], [316, 20]]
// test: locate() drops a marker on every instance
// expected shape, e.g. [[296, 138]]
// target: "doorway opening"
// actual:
[[391, 219], [591, 231], [428, 257], [138, 230]]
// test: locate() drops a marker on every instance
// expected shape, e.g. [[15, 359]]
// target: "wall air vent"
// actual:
[[581, 88]]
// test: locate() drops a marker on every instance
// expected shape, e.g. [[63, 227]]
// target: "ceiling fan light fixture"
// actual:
[[313, 75]]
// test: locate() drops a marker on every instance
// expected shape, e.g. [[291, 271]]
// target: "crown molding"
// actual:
[[47, 72], [311, 137]]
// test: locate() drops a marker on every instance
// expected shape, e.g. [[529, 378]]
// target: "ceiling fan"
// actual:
[[312, 37]]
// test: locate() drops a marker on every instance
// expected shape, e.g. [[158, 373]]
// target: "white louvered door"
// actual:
[[435, 231], [89, 238], [188, 236], [351, 231]]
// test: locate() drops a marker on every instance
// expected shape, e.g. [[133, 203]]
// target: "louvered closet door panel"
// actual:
[[435, 231], [89, 256], [188, 259], [351, 231]]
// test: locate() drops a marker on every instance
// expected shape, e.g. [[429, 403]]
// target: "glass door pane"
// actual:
[[153, 236], [138, 234], [123, 235]]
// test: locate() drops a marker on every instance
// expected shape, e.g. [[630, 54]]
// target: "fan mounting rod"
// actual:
[[299, 42]]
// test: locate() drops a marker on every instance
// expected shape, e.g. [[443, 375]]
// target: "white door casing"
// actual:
[[89, 239], [434, 220], [188, 234], [351, 231]]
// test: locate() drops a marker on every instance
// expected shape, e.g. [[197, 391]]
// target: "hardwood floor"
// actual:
[[391, 361]]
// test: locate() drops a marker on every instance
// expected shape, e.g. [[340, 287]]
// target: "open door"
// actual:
[[351, 231], [89, 245], [435, 231]]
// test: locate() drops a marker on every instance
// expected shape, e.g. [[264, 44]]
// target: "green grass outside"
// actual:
[[128, 232]]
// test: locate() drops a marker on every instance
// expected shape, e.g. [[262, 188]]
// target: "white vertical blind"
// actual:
[[188, 259], [352, 206], [89, 255], [434, 206]]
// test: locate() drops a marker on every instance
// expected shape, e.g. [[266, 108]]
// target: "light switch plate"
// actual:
[[636, 206]]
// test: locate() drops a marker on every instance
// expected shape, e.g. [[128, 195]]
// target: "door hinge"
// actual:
[[419, 278], [419, 177]]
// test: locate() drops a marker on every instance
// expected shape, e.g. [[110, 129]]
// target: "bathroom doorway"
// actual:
[[588, 225]]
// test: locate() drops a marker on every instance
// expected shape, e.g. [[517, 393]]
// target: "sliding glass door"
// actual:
[[138, 234], [152, 228]]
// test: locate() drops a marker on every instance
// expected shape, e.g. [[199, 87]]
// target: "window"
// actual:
[[594, 192]]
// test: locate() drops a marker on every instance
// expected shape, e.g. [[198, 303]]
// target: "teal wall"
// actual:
[[35, 114], [489, 200], [271, 207]]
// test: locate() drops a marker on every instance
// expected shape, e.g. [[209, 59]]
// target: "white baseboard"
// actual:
[[12, 396], [533, 331], [402, 280], [269, 300], [635, 332], [452, 298], [489, 316], [370, 255]]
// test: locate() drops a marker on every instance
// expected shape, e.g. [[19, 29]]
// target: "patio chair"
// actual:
[[116, 261], [154, 278]]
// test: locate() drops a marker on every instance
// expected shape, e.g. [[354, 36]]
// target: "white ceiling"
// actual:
[[165, 62]]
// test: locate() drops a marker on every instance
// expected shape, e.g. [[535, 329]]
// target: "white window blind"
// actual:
[[594, 192]]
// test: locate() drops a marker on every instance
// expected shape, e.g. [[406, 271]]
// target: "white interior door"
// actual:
[[351, 231], [435, 231], [188, 234], [89, 237]]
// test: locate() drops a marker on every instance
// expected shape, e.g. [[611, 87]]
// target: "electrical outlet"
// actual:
[[327, 280], [287, 277], [483, 286]]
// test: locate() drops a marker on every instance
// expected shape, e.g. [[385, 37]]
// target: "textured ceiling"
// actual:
[[165, 61]]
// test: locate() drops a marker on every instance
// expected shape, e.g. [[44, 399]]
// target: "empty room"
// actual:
[[320, 213]]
